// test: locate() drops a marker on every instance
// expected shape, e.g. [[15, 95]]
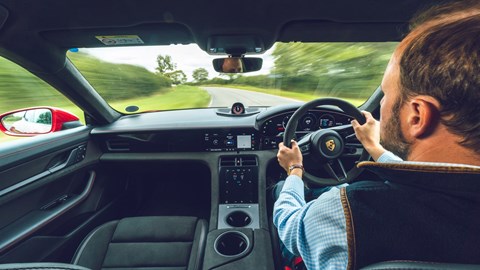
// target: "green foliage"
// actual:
[[165, 64], [200, 75], [333, 69], [45, 118], [118, 81], [214, 81], [264, 81], [177, 77], [10, 119], [167, 68], [231, 76], [21, 89]]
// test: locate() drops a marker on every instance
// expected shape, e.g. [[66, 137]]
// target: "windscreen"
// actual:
[[152, 78]]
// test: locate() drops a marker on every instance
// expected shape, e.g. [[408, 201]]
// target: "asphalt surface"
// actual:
[[225, 97]]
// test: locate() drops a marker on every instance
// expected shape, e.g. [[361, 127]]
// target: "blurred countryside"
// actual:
[[302, 71]]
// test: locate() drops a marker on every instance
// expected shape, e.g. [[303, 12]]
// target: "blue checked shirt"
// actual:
[[315, 231]]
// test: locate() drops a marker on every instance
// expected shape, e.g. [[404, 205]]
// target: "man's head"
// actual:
[[232, 65], [432, 83]]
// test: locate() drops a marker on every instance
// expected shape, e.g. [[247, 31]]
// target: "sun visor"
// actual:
[[145, 34], [315, 31], [3, 16]]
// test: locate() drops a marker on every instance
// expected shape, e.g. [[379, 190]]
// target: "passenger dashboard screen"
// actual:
[[244, 141]]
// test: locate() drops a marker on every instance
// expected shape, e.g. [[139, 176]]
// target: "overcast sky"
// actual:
[[187, 57]]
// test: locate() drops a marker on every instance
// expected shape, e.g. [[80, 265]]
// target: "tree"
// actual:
[[45, 118], [200, 74], [177, 77], [231, 76], [331, 69], [165, 64]]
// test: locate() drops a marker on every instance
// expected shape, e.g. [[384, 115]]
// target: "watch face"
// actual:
[[238, 108]]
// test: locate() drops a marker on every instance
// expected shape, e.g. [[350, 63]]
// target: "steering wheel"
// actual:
[[325, 148]]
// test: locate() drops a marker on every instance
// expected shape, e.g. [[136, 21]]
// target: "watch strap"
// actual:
[[295, 166]]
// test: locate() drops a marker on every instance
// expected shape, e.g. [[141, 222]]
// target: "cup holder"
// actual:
[[231, 244], [238, 219]]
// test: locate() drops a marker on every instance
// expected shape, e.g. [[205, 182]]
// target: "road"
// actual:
[[225, 97]]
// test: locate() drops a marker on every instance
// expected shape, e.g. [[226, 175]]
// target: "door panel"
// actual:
[[49, 196], [39, 217]]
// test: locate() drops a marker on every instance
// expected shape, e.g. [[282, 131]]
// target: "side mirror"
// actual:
[[237, 64], [35, 121]]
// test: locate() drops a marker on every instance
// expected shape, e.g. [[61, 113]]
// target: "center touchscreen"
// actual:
[[244, 141], [231, 140]]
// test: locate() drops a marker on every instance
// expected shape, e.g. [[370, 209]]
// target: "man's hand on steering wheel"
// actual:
[[288, 157], [369, 135]]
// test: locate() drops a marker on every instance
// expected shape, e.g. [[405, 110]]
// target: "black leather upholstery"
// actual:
[[153, 243], [412, 265], [41, 266]]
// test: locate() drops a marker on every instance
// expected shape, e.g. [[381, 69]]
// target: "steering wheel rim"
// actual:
[[291, 128]]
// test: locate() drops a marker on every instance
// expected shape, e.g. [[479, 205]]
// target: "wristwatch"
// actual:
[[295, 166]]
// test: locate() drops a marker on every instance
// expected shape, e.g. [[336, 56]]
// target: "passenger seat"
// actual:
[[166, 243]]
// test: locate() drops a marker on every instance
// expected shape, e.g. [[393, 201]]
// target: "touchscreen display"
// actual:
[[244, 141]]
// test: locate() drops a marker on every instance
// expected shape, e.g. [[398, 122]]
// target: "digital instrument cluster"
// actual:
[[314, 120]]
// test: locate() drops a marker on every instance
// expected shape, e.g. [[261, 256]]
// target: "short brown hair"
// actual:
[[440, 58]]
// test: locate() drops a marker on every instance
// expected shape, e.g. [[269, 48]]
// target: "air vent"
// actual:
[[227, 161], [249, 161], [238, 161], [118, 145]]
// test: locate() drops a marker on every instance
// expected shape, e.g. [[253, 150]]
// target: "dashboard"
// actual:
[[211, 130]]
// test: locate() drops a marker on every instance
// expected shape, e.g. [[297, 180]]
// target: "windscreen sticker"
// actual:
[[120, 40]]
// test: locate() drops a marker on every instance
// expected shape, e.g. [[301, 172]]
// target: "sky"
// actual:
[[187, 57]]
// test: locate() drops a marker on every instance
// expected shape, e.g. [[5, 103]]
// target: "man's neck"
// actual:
[[445, 148]]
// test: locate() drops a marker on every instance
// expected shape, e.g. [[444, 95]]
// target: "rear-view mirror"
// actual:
[[237, 64]]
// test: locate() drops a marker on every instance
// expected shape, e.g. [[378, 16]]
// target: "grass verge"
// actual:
[[179, 97]]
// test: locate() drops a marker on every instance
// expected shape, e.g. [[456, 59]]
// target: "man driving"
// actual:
[[429, 209], [232, 65]]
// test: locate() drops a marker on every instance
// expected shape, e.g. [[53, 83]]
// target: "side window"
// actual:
[[29, 106]]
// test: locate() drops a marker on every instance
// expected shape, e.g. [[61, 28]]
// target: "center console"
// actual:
[[239, 241], [238, 206]]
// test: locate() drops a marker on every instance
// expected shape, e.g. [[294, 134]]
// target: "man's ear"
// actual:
[[422, 114]]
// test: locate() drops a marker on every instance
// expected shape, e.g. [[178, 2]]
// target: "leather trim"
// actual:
[[202, 239], [42, 266], [422, 167], [350, 228], [419, 265], [78, 253]]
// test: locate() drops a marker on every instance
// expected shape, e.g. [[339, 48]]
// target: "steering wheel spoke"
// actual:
[[346, 131], [352, 150], [336, 170], [304, 144]]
